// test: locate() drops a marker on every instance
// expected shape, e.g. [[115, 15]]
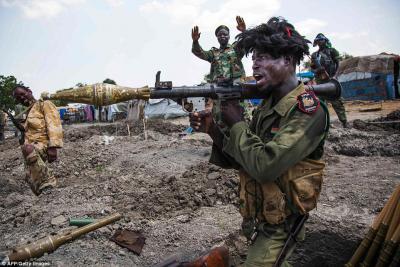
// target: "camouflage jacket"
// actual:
[[276, 139], [43, 125], [226, 63], [328, 58]]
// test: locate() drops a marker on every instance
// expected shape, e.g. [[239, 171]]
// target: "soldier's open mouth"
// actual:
[[257, 77]]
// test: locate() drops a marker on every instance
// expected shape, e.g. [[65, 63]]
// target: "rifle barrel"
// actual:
[[194, 91]]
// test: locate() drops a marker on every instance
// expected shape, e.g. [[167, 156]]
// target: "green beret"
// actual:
[[220, 28]]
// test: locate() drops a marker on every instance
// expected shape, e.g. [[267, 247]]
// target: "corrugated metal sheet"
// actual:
[[377, 87]]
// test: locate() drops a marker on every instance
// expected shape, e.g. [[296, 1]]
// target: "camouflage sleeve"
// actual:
[[335, 54], [53, 124], [295, 140], [335, 57], [239, 52], [200, 53]]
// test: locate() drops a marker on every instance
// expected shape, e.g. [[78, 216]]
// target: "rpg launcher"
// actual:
[[51, 243], [102, 94]]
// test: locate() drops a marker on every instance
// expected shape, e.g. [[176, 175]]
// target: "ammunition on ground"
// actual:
[[396, 258], [378, 248], [80, 221], [107, 94], [51, 243]]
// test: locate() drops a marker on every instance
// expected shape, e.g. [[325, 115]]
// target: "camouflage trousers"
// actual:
[[338, 106], [37, 174], [267, 246]]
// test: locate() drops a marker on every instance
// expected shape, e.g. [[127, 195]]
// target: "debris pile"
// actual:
[[367, 139]]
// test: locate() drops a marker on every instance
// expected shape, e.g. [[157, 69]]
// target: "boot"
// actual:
[[47, 185]]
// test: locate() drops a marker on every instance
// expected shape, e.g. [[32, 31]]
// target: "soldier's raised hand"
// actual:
[[195, 34], [241, 25]]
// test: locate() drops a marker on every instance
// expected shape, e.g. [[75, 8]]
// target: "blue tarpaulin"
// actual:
[[369, 77], [306, 74]]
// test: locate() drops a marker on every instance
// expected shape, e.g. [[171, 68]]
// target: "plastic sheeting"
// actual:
[[163, 108]]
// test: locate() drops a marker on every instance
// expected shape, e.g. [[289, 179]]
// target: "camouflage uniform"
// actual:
[[278, 157], [226, 64], [42, 130], [328, 58]]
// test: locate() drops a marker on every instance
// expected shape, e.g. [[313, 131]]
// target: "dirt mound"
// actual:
[[391, 122], [121, 129], [201, 185], [356, 143], [369, 137]]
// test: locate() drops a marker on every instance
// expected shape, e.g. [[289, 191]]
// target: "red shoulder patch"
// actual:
[[307, 102]]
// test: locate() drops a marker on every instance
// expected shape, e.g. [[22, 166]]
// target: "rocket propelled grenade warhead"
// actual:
[[99, 94]]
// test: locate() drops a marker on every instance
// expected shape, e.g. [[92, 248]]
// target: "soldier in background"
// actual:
[[43, 136], [324, 64], [226, 61]]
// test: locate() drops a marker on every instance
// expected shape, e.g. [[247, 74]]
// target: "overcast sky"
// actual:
[[54, 44]]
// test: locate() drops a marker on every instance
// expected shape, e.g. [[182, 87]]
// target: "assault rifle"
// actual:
[[106, 94], [319, 69], [291, 239], [18, 125]]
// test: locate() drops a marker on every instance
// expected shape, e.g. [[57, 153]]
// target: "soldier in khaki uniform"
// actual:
[[278, 154], [43, 135]]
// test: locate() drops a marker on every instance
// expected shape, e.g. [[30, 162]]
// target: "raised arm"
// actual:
[[197, 50], [241, 25]]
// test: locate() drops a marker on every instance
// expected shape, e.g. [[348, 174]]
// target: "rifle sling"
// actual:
[[292, 239]]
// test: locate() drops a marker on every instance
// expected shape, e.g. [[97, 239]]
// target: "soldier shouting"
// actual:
[[278, 154]]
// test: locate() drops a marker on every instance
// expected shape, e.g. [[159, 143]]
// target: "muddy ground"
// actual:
[[166, 189]]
